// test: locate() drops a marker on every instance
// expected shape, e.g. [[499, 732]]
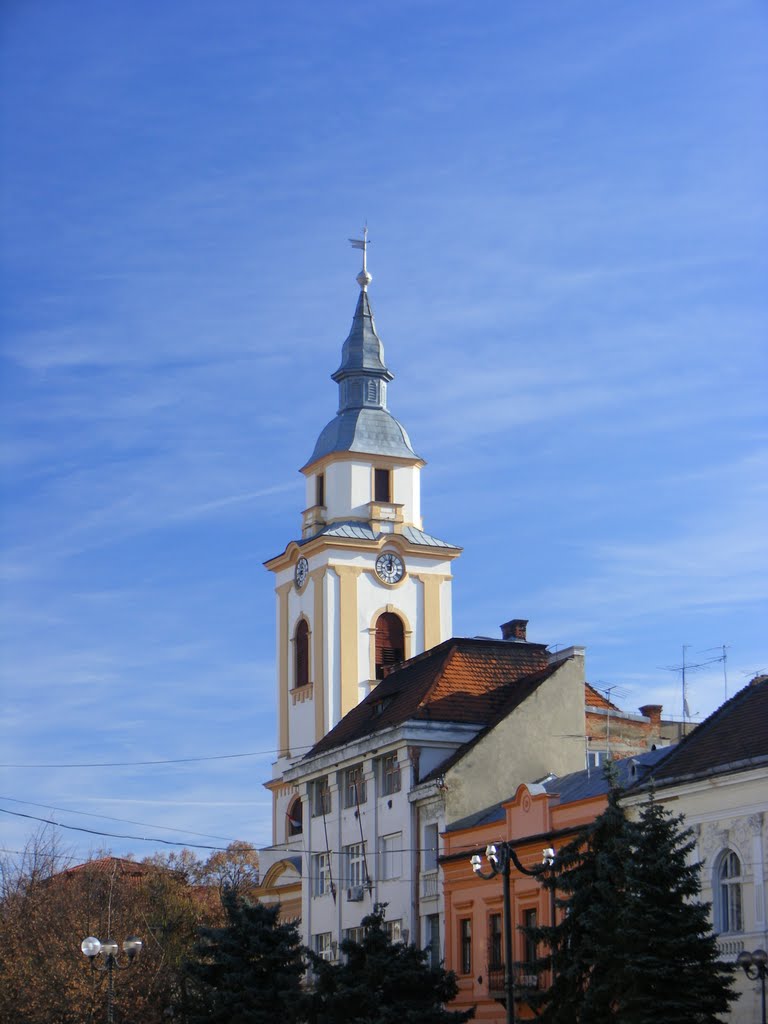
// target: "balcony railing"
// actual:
[[524, 979], [730, 946], [429, 884]]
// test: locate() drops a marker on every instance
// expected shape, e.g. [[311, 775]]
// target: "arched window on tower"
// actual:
[[294, 824], [728, 916], [301, 654], [390, 643]]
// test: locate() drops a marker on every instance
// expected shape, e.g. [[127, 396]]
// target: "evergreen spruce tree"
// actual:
[[674, 973], [383, 982], [585, 947], [632, 945], [248, 972]]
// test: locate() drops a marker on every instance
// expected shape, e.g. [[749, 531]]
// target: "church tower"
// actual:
[[363, 587]]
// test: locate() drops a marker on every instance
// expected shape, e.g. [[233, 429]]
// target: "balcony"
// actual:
[[312, 520], [524, 979], [384, 515], [729, 946]]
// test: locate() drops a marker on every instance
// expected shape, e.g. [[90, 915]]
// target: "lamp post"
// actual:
[[92, 947], [500, 858], [755, 966]]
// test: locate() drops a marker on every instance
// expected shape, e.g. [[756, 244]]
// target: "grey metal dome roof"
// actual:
[[365, 430]]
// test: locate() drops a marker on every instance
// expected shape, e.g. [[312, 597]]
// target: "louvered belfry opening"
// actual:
[[390, 643], [302, 654]]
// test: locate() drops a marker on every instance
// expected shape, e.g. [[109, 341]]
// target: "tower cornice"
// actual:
[[323, 543]]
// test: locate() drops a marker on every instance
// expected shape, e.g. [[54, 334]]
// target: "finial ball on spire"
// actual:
[[363, 278]]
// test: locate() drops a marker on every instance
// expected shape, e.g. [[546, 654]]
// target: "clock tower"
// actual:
[[364, 586]]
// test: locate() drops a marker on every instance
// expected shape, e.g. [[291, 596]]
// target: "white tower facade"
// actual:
[[363, 587]]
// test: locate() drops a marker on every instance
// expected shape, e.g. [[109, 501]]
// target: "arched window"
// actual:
[[301, 654], [295, 818], [390, 643], [728, 893]]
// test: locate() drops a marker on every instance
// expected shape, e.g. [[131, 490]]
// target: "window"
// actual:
[[729, 893], [595, 758], [390, 643], [323, 945], [465, 946], [531, 954], [382, 485], [390, 775], [371, 391], [354, 859], [433, 933], [321, 797], [301, 654], [430, 848], [295, 818], [320, 489], [391, 856], [354, 934], [321, 874], [495, 943], [354, 786], [394, 930]]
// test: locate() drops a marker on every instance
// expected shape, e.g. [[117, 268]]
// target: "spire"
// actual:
[[363, 375], [363, 422]]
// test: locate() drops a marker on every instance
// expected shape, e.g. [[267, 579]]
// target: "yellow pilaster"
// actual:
[[282, 657], [318, 653], [348, 635], [432, 631]]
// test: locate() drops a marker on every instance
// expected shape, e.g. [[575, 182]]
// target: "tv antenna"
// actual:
[[686, 667]]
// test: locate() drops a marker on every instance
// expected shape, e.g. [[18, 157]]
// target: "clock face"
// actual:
[[389, 567], [302, 569]]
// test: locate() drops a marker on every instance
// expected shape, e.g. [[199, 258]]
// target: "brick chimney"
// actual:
[[652, 711], [515, 629]]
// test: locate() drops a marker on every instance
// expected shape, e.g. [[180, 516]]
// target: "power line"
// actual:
[[109, 817], [201, 846], [110, 835], [170, 760]]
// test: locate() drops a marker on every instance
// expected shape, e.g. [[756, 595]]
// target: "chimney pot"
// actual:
[[515, 629], [652, 711]]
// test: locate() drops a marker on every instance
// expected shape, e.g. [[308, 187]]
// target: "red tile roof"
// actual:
[[461, 680], [594, 699]]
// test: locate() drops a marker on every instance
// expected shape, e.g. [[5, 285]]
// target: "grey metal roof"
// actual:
[[369, 430], [577, 786], [363, 349], [485, 817], [356, 530], [592, 781], [363, 423]]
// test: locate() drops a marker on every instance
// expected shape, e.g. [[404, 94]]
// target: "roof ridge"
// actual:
[[720, 714]]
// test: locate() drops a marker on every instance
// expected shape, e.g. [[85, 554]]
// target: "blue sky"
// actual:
[[567, 205]]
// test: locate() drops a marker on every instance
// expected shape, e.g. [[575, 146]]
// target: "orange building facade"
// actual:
[[533, 820]]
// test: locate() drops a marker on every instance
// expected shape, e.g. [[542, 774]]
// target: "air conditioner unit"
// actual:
[[355, 893]]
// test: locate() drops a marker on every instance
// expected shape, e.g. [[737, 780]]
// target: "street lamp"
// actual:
[[501, 857], [754, 965], [92, 947]]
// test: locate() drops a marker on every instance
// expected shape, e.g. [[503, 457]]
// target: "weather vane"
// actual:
[[363, 278]]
